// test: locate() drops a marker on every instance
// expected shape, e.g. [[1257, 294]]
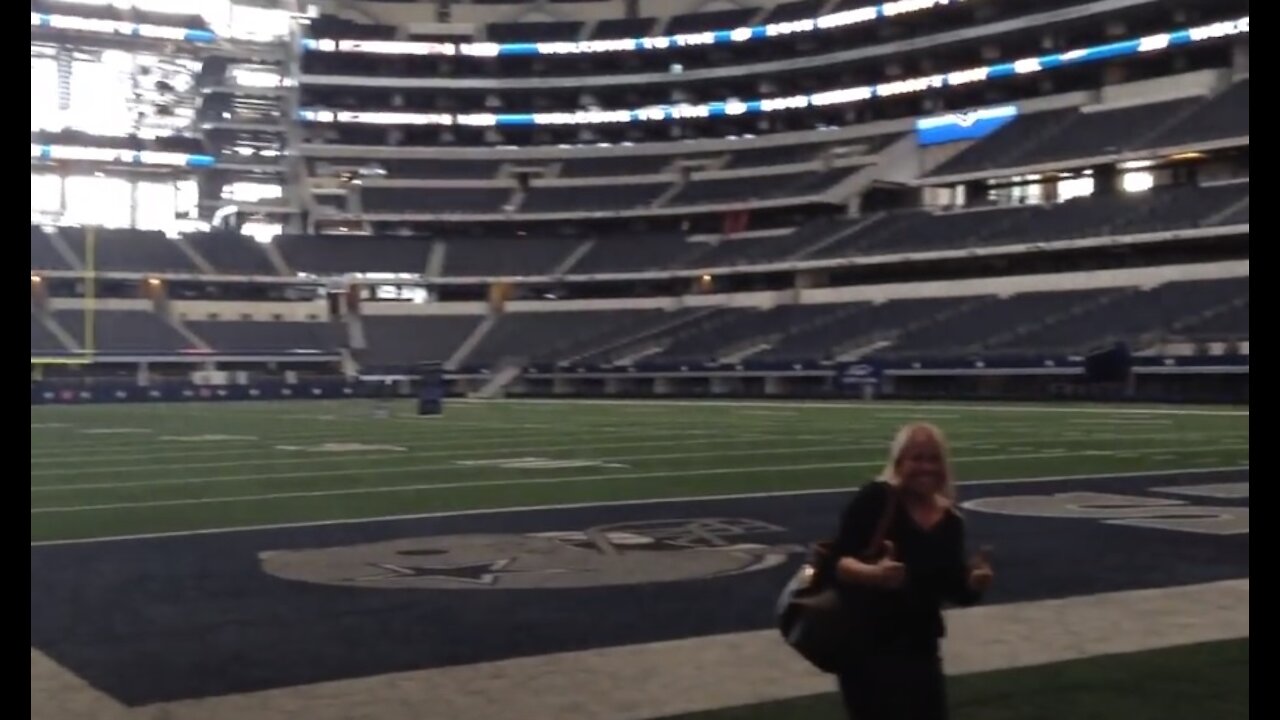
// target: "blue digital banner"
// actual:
[[963, 125]]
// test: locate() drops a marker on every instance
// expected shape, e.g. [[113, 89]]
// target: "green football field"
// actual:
[[113, 470], [103, 471]]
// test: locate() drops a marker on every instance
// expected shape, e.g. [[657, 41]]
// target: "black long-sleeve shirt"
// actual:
[[936, 568]]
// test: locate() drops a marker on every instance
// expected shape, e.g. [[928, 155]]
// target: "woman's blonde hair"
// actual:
[[912, 431]]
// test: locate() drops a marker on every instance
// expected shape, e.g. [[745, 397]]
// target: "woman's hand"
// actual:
[[886, 573], [980, 572]]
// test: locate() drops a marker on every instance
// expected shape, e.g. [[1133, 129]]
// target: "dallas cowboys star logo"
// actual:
[[485, 573]]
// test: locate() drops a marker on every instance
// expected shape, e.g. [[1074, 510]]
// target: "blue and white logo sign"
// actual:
[[859, 374], [964, 125]]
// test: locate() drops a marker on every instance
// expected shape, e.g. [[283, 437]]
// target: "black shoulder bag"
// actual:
[[815, 617]]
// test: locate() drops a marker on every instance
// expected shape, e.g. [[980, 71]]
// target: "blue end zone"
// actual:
[[169, 618]]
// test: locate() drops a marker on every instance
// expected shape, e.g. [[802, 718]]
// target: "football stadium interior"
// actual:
[[475, 359]]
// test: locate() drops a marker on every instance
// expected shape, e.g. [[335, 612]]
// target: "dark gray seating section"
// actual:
[[332, 26], [443, 200], [472, 257], [1004, 147], [1224, 116], [592, 198], [1105, 131], [714, 20], [852, 327], [231, 253], [402, 341], [41, 339], [734, 329], [748, 251], [977, 321], [556, 336], [658, 331], [806, 152], [1158, 210], [637, 253], [138, 331], [336, 255], [1226, 323], [43, 254], [1071, 134], [787, 12], [615, 165], [441, 169], [776, 155], [758, 187], [615, 28], [128, 250], [1239, 216], [263, 336], [1130, 316], [534, 31], [1058, 321]]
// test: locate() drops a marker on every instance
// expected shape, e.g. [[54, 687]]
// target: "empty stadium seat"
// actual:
[[243, 336], [128, 250], [42, 339], [339, 255], [231, 253], [44, 256], [591, 198], [1223, 116], [396, 343], [473, 257], [443, 200], [137, 331]]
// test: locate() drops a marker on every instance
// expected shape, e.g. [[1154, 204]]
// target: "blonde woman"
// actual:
[[894, 671]]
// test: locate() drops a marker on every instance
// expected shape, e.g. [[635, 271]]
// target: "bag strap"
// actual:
[[882, 527]]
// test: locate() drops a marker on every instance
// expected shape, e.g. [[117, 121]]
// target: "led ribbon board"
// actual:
[[726, 108], [112, 155], [845, 18], [117, 27]]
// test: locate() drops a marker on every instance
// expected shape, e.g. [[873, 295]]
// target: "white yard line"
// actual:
[[873, 407], [908, 416], [1140, 474], [423, 487], [56, 451], [1123, 421], [458, 449], [330, 458], [59, 453], [266, 443], [507, 452], [725, 434]]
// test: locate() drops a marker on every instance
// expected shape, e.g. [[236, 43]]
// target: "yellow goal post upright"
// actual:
[[88, 343], [90, 289]]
